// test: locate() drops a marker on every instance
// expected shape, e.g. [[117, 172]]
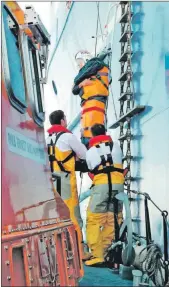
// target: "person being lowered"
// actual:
[[63, 148], [92, 85], [104, 213]]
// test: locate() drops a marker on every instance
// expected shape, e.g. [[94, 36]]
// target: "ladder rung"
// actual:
[[124, 96], [127, 157], [124, 36], [124, 2], [130, 114], [123, 77], [123, 57], [136, 219], [130, 178], [124, 137], [124, 17], [134, 199]]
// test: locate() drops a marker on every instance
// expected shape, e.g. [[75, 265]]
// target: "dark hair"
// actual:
[[56, 117], [98, 130]]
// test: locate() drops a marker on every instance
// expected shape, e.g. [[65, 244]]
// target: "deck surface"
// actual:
[[102, 277]]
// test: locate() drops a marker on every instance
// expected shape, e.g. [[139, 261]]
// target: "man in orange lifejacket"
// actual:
[[63, 148], [92, 85], [104, 213]]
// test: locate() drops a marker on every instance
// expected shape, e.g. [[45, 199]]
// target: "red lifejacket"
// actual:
[[57, 129]]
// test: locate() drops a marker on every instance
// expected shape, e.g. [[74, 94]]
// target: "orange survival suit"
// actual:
[[93, 94]]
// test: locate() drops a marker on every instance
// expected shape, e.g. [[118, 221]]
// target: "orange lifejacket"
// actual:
[[94, 98], [99, 88]]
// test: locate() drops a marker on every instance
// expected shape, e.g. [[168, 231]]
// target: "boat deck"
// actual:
[[95, 276]]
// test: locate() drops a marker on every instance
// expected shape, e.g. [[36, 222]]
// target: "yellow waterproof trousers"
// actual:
[[100, 225], [100, 232]]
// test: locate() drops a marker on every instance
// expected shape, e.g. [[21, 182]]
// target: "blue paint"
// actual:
[[167, 72], [14, 60], [150, 65], [167, 61], [21, 145], [75, 122]]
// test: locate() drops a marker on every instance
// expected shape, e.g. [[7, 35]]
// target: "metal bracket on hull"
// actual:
[[136, 110], [34, 23]]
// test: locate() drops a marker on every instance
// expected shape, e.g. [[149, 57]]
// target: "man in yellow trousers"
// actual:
[[104, 160], [63, 148]]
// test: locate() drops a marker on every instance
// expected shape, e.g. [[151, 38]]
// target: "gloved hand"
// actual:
[[86, 82]]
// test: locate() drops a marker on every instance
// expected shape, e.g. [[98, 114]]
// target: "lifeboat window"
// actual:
[[36, 82], [37, 73], [12, 60], [33, 78]]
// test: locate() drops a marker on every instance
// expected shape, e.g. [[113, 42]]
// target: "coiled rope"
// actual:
[[153, 263]]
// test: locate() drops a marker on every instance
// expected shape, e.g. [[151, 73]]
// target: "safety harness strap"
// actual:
[[50, 159], [53, 158], [108, 169], [102, 74], [108, 166], [110, 188], [98, 76], [99, 98], [115, 200], [68, 157]]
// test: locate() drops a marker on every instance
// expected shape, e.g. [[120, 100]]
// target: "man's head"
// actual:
[[98, 130], [58, 118], [82, 57]]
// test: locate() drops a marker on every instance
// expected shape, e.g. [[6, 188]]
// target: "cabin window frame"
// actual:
[[36, 71], [32, 81], [16, 102]]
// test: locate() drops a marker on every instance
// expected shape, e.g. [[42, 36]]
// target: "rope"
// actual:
[[137, 236], [97, 27], [149, 198], [152, 263], [111, 91], [58, 42], [100, 22], [114, 5]]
